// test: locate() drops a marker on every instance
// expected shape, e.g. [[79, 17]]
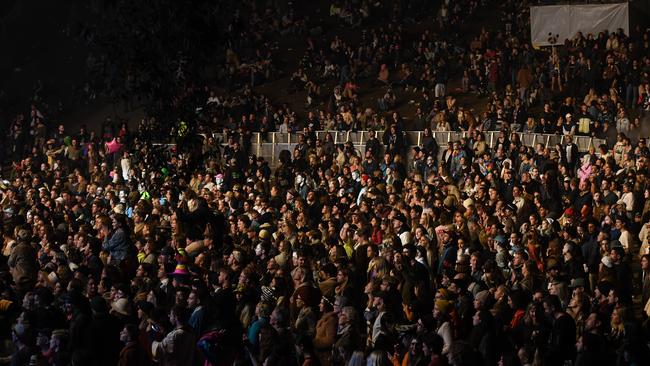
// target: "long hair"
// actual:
[[618, 328], [357, 359], [378, 358]]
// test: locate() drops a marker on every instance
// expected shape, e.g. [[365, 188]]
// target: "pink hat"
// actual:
[[181, 270]]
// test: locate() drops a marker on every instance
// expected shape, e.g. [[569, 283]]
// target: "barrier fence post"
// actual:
[[548, 139], [273, 148]]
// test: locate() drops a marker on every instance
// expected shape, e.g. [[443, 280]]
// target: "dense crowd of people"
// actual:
[[122, 250]]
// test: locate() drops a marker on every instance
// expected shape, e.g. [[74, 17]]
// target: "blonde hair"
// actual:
[[618, 329]]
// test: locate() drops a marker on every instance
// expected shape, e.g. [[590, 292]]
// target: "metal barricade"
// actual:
[[269, 145]]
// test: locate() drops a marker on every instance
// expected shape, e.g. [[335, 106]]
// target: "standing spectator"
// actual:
[[524, 80], [116, 242], [22, 263], [562, 346], [178, 346], [132, 354], [645, 282], [570, 153]]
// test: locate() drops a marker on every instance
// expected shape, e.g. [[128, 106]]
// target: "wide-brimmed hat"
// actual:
[[119, 209], [121, 306]]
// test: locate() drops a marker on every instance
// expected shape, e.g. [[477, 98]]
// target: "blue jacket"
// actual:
[[118, 245], [254, 331]]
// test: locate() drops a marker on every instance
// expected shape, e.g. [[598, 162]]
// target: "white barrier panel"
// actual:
[[565, 21]]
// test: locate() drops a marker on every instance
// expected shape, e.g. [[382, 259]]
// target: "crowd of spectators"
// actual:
[[122, 250]]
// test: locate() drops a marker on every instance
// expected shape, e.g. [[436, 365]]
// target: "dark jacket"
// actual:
[[194, 221], [347, 341], [104, 330], [23, 265], [645, 282], [133, 355], [574, 158], [562, 343], [591, 254]]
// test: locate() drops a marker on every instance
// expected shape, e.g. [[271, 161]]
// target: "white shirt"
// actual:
[[628, 199], [569, 156], [126, 168]]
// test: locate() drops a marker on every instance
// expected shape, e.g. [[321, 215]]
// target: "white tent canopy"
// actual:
[[565, 21]]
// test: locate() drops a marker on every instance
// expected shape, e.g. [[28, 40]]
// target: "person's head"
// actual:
[[379, 301], [179, 315], [618, 317], [517, 300], [224, 277], [278, 319], [415, 346], [129, 333], [440, 309], [193, 299], [612, 297], [552, 305], [519, 258], [347, 316], [372, 251], [326, 305], [57, 340], [483, 318], [645, 262], [342, 276], [181, 296], [263, 310], [615, 254], [432, 344], [567, 251], [594, 322]]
